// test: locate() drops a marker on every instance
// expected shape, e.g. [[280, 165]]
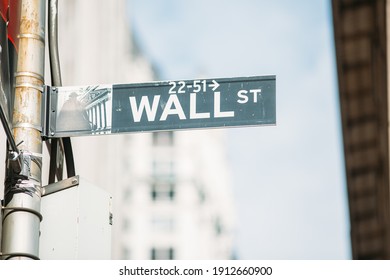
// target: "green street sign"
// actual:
[[167, 105]]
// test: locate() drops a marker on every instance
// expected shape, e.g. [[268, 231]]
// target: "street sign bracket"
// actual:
[[61, 185], [44, 109], [48, 123], [48, 110]]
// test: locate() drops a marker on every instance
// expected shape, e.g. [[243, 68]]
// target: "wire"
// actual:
[[8, 132], [56, 81]]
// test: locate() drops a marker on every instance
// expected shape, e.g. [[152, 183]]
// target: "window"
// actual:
[[127, 194], [126, 254], [162, 254], [163, 138], [218, 226], [126, 224], [163, 191], [163, 186], [162, 224], [201, 195], [163, 168]]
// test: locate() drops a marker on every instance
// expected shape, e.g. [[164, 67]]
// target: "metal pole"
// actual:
[[55, 70], [53, 44], [21, 221]]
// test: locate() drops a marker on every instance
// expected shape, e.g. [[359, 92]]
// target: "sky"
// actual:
[[288, 180]]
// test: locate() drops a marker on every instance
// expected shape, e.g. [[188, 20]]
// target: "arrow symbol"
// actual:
[[214, 85]]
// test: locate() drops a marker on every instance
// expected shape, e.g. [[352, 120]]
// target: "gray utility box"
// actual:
[[76, 224]]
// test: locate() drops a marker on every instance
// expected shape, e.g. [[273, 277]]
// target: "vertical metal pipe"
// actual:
[[21, 221], [55, 70]]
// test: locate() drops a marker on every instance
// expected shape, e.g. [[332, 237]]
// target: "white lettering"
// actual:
[[193, 113], [173, 101], [217, 107], [144, 105], [255, 92], [242, 94]]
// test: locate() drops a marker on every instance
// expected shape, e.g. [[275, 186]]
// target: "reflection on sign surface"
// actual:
[[85, 110]]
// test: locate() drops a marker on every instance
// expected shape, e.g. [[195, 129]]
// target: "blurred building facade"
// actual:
[[361, 30], [172, 196]]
